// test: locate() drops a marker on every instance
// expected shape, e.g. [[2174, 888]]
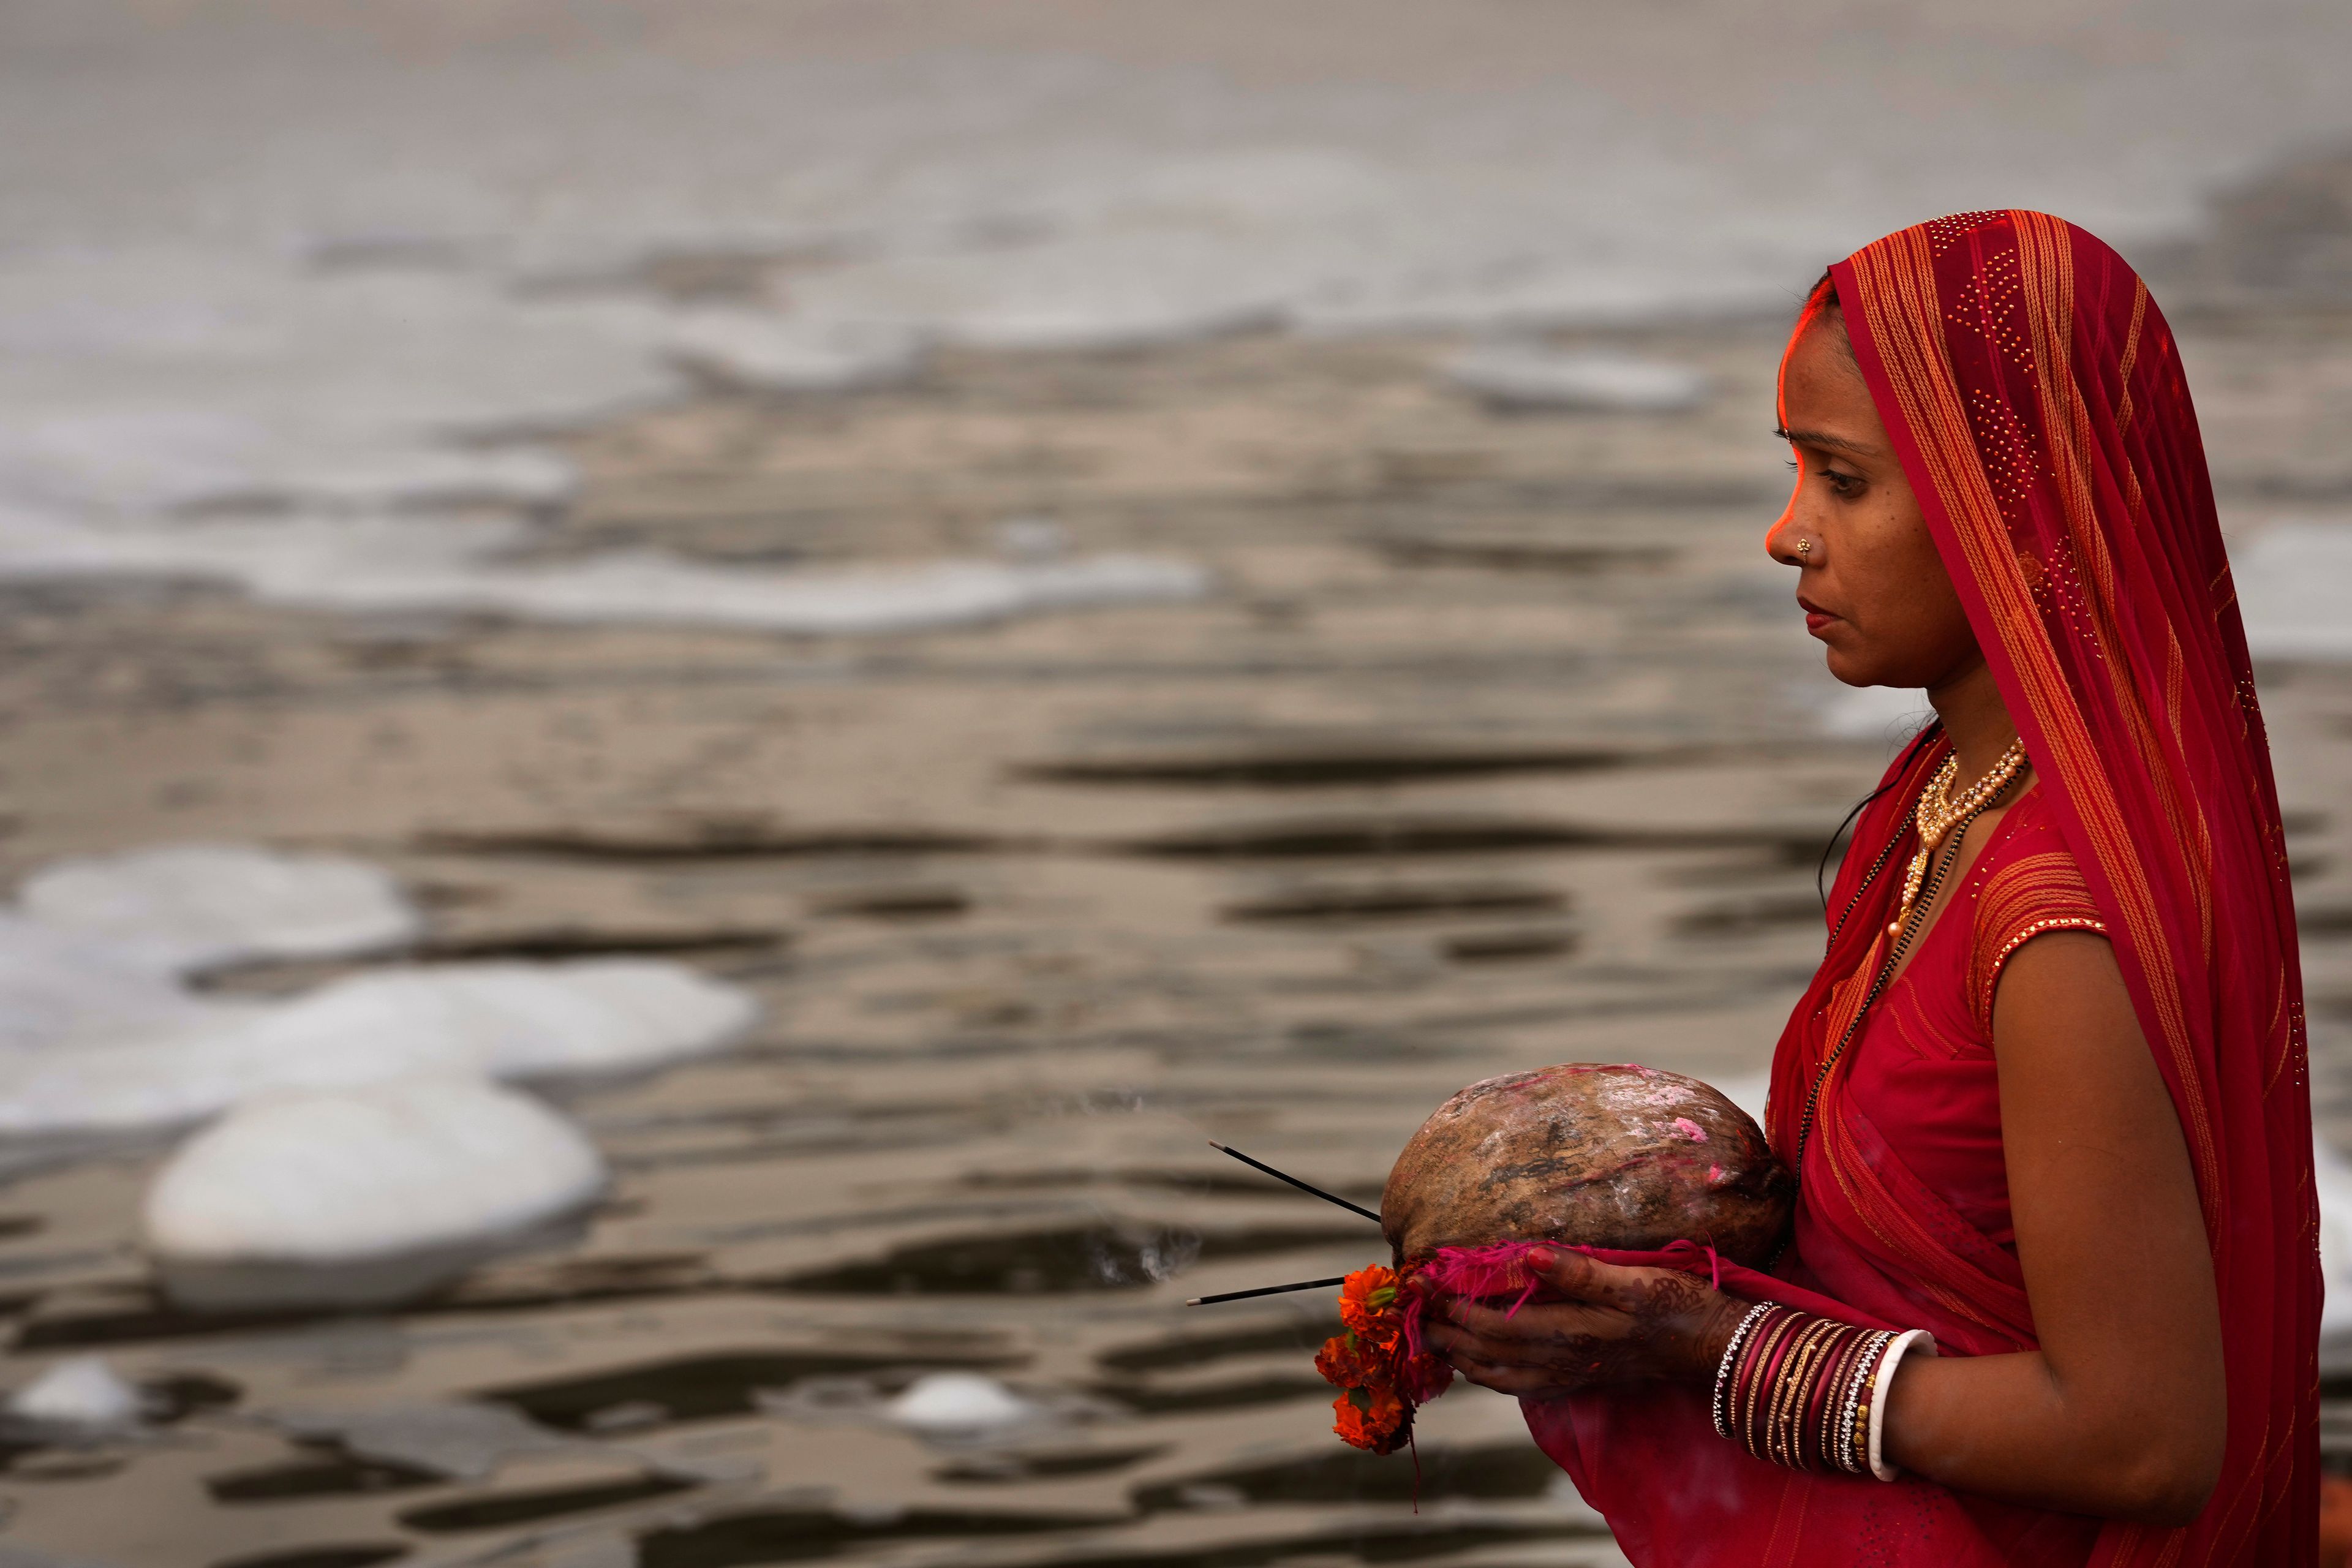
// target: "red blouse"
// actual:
[[1923, 1070]]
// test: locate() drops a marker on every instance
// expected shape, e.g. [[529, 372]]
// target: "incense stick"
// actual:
[[1302, 1186], [1266, 1290]]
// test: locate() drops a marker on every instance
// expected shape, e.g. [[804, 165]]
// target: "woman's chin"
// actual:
[[1865, 665], [1851, 670]]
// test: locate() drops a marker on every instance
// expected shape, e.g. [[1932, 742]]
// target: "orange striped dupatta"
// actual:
[[2038, 403]]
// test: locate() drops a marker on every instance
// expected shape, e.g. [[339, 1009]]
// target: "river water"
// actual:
[[421, 430]]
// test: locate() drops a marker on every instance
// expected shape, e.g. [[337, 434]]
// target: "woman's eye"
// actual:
[[1841, 484]]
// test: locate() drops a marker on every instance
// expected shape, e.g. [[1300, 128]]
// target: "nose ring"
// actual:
[[1804, 547]]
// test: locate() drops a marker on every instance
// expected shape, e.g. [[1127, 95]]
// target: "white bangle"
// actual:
[[1863, 1379], [1880, 1386], [1723, 1367]]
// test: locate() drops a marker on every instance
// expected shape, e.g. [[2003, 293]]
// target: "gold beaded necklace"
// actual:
[[1934, 821], [1938, 811]]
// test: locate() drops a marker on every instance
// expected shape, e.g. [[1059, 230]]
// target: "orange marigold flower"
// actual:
[[1350, 1423], [1342, 1365], [1375, 1419], [1380, 1383], [1367, 1304]]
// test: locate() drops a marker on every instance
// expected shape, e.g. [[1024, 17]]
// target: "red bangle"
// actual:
[[1761, 1360], [1798, 1390]]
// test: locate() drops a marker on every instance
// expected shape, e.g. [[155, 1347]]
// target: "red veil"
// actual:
[[2036, 399]]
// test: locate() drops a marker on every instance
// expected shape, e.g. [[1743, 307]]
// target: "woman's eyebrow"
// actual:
[[1816, 438]]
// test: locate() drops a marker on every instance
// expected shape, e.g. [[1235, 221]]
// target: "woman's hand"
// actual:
[[1618, 1325]]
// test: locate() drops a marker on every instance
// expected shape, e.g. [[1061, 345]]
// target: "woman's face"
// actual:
[[1871, 586]]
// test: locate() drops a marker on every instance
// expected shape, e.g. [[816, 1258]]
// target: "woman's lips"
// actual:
[[1816, 618]]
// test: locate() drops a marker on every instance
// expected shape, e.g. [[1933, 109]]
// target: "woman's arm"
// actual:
[[2119, 1413]]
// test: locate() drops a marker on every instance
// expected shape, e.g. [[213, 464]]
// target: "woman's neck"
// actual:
[[1969, 702]]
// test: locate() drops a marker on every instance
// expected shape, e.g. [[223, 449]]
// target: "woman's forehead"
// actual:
[[1820, 381]]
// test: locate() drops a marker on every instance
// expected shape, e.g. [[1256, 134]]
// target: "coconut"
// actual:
[[1624, 1157]]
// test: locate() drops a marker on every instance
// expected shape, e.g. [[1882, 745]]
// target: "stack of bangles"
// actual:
[[1803, 1391]]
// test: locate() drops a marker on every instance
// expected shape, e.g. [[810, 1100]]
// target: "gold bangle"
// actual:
[[1789, 1395], [1818, 1416], [1768, 1343]]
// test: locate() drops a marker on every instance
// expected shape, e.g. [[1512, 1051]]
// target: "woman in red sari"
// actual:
[[2046, 1096]]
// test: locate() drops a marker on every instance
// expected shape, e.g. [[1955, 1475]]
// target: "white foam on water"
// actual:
[[959, 1402], [81, 1393], [263, 263], [654, 586], [184, 906], [135, 380], [491, 1020], [58, 990], [365, 1155], [1532, 375], [2295, 591], [94, 952], [414, 1167], [98, 1031], [426, 564]]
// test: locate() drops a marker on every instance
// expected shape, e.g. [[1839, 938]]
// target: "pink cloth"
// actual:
[[2035, 395]]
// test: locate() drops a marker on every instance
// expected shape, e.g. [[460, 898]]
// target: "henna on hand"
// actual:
[[1615, 1325]]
